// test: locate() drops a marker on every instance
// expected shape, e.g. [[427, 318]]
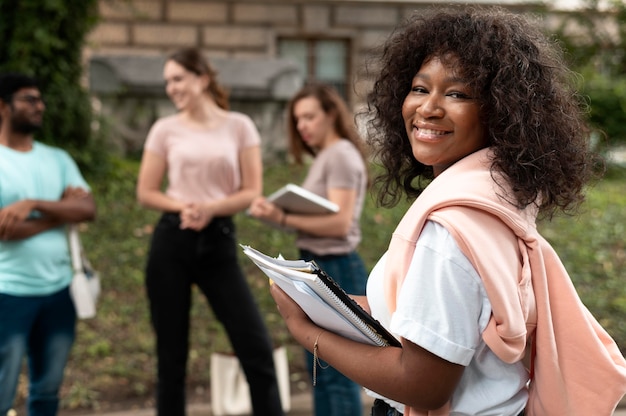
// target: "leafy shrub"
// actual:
[[607, 100], [45, 39]]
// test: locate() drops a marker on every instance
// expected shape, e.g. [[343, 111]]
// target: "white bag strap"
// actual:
[[75, 248]]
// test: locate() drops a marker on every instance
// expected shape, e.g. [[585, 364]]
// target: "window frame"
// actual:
[[311, 43]]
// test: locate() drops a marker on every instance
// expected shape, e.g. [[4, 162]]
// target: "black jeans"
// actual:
[[179, 259]]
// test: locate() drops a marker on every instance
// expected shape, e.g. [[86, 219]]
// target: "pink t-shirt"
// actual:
[[339, 166], [202, 164]]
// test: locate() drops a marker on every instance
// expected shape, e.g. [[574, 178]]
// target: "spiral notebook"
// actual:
[[322, 299]]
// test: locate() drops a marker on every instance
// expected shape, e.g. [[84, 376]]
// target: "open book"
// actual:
[[322, 299], [293, 198]]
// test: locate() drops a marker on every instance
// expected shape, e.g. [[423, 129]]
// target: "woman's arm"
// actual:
[[149, 193], [251, 184], [409, 375], [325, 225]]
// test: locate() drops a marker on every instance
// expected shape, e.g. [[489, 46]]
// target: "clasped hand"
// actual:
[[195, 217], [262, 209]]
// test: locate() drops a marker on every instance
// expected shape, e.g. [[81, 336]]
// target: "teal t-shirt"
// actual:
[[38, 265]]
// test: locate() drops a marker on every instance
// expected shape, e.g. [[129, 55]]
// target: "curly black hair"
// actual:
[[533, 115]]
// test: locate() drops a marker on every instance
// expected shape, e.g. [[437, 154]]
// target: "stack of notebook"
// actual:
[[322, 299]]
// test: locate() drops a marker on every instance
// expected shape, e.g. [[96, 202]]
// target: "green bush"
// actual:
[[593, 249], [607, 101], [45, 39]]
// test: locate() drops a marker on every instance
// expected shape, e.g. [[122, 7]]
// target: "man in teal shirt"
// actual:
[[41, 190]]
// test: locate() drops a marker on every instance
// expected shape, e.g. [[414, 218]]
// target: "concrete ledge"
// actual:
[[260, 78]]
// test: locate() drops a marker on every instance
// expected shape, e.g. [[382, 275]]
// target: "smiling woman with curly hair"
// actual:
[[474, 115], [534, 118]]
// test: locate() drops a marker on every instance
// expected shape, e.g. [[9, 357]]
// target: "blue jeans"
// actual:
[[43, 329], [334, 394]]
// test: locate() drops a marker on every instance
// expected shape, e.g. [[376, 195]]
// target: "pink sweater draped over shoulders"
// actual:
[[577, 369]]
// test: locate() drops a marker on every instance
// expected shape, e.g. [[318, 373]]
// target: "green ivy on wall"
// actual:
[[45, 39]]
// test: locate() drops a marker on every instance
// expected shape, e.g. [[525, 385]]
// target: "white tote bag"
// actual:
[[85, 286], [230, 394]]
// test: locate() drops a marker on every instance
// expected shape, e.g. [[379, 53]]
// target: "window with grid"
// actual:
[[321, 60]]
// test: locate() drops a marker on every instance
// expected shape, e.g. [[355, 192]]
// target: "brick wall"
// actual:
[[243, 28], [249, 28]]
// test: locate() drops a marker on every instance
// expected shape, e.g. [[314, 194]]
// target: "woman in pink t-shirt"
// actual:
[[211, 159]]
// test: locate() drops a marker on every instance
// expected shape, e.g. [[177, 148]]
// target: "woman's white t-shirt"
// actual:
[[443, 308]]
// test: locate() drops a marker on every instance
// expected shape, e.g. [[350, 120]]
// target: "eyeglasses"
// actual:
[[30, 99]]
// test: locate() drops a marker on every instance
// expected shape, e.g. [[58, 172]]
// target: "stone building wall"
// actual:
[[250, 29]]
